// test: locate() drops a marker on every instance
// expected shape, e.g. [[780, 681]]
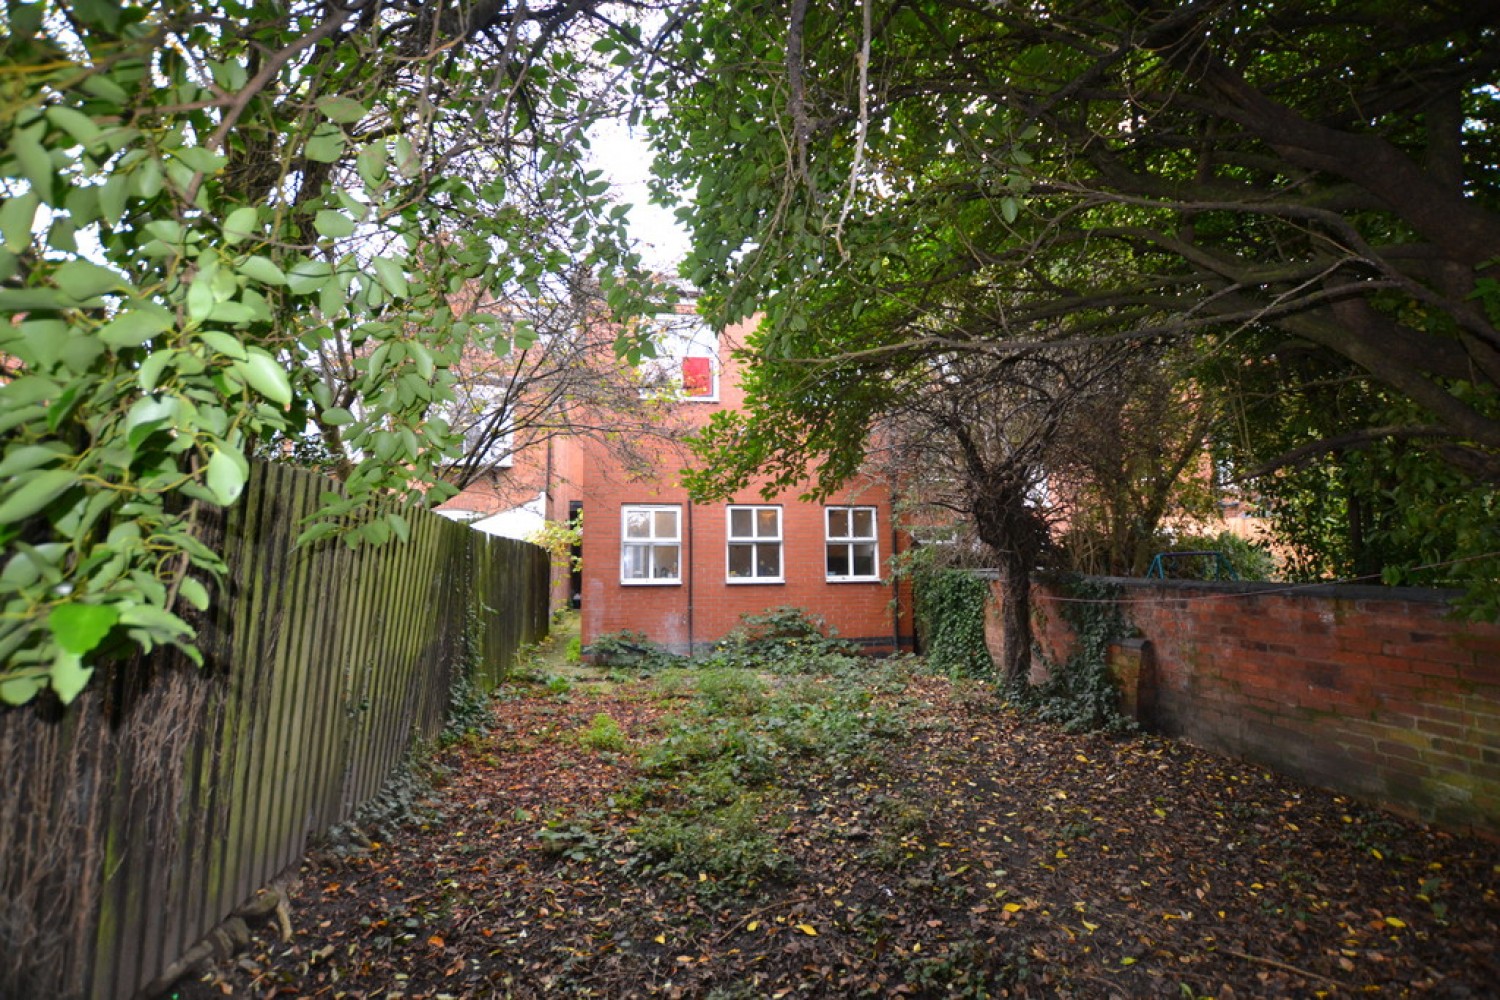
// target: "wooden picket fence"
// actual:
[[137, 819]]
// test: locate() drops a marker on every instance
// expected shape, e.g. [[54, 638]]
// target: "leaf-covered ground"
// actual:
[[753, 836]]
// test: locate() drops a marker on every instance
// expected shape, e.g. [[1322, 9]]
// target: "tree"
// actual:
[[1253, 180], [1135, 460], [201, 207]]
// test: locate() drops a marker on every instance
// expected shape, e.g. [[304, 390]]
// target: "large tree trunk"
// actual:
[[1015, 620], [1016, 533]]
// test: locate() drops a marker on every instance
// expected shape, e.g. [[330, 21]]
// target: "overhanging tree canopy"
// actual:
[[202, 208], [889, 180]]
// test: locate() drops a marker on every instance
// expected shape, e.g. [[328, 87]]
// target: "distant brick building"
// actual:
[[684, 573]]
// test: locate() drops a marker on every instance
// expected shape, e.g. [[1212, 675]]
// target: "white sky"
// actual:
[[625, 158]]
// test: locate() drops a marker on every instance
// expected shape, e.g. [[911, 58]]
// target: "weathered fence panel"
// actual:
[[163, 798]]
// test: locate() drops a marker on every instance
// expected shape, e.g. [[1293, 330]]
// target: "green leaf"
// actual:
[[400, 526], [35, 492], [262, 269], [307, 276], [334, 225], [149, 376], [145, 417], [240, 224], [160, 622], [112, 197], [78, 628], [337, 416], [74, 122], [36, 163], [226, 475], [266, 376], [134, 328], [18, 689], [200, 160], [343, 110], [223, 343], [30, 299], [391, 276], [17, 216], [82, 280], [193, 591], [326, 145], [28, 457], [200, 299]]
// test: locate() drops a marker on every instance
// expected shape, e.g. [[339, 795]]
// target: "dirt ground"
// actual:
[[968, 852]]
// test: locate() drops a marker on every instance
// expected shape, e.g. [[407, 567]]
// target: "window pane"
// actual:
[[634, 562], [838, 560], [838, 522], [637, 524], [768, 523], [864, 560], [666, 523], [665, 565], [864, 522], [768, 559], [741, 521], [740, 564]]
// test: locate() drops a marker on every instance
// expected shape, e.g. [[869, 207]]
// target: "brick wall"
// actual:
[[1375, 692], [705, 605]]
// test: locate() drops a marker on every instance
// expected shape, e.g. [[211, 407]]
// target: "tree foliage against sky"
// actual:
[[897, 182], [204, 210]]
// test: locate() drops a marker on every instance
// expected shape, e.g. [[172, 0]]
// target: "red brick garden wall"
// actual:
[[1375, 692]]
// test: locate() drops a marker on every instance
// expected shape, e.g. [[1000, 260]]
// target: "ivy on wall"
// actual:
[[950, 605], [1080, 693]]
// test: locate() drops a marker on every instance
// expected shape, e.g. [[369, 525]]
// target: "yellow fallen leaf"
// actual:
[[660, 939], [1395, 921], [1061, 853], [752, 925], [1091, 928], [1127, 961], [807, 929], [1012, 907]]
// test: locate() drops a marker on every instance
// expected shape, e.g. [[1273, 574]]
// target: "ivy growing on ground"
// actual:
[[1080, 693]]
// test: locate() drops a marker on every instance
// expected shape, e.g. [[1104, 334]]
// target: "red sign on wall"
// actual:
[[697, 377]]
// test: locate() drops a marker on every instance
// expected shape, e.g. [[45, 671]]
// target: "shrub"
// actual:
[[603, 733], [786, 640], [633, 651]]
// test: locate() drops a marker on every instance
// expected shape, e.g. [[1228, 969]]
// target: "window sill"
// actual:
[[650, 583], [737, 581], [851, 579]]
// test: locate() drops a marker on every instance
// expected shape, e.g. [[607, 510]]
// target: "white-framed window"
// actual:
[[478, 413], [852, 551], [754, 544], [686, 365], [651, 544]]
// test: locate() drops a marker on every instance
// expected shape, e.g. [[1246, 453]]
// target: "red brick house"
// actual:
[[684, 573]]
